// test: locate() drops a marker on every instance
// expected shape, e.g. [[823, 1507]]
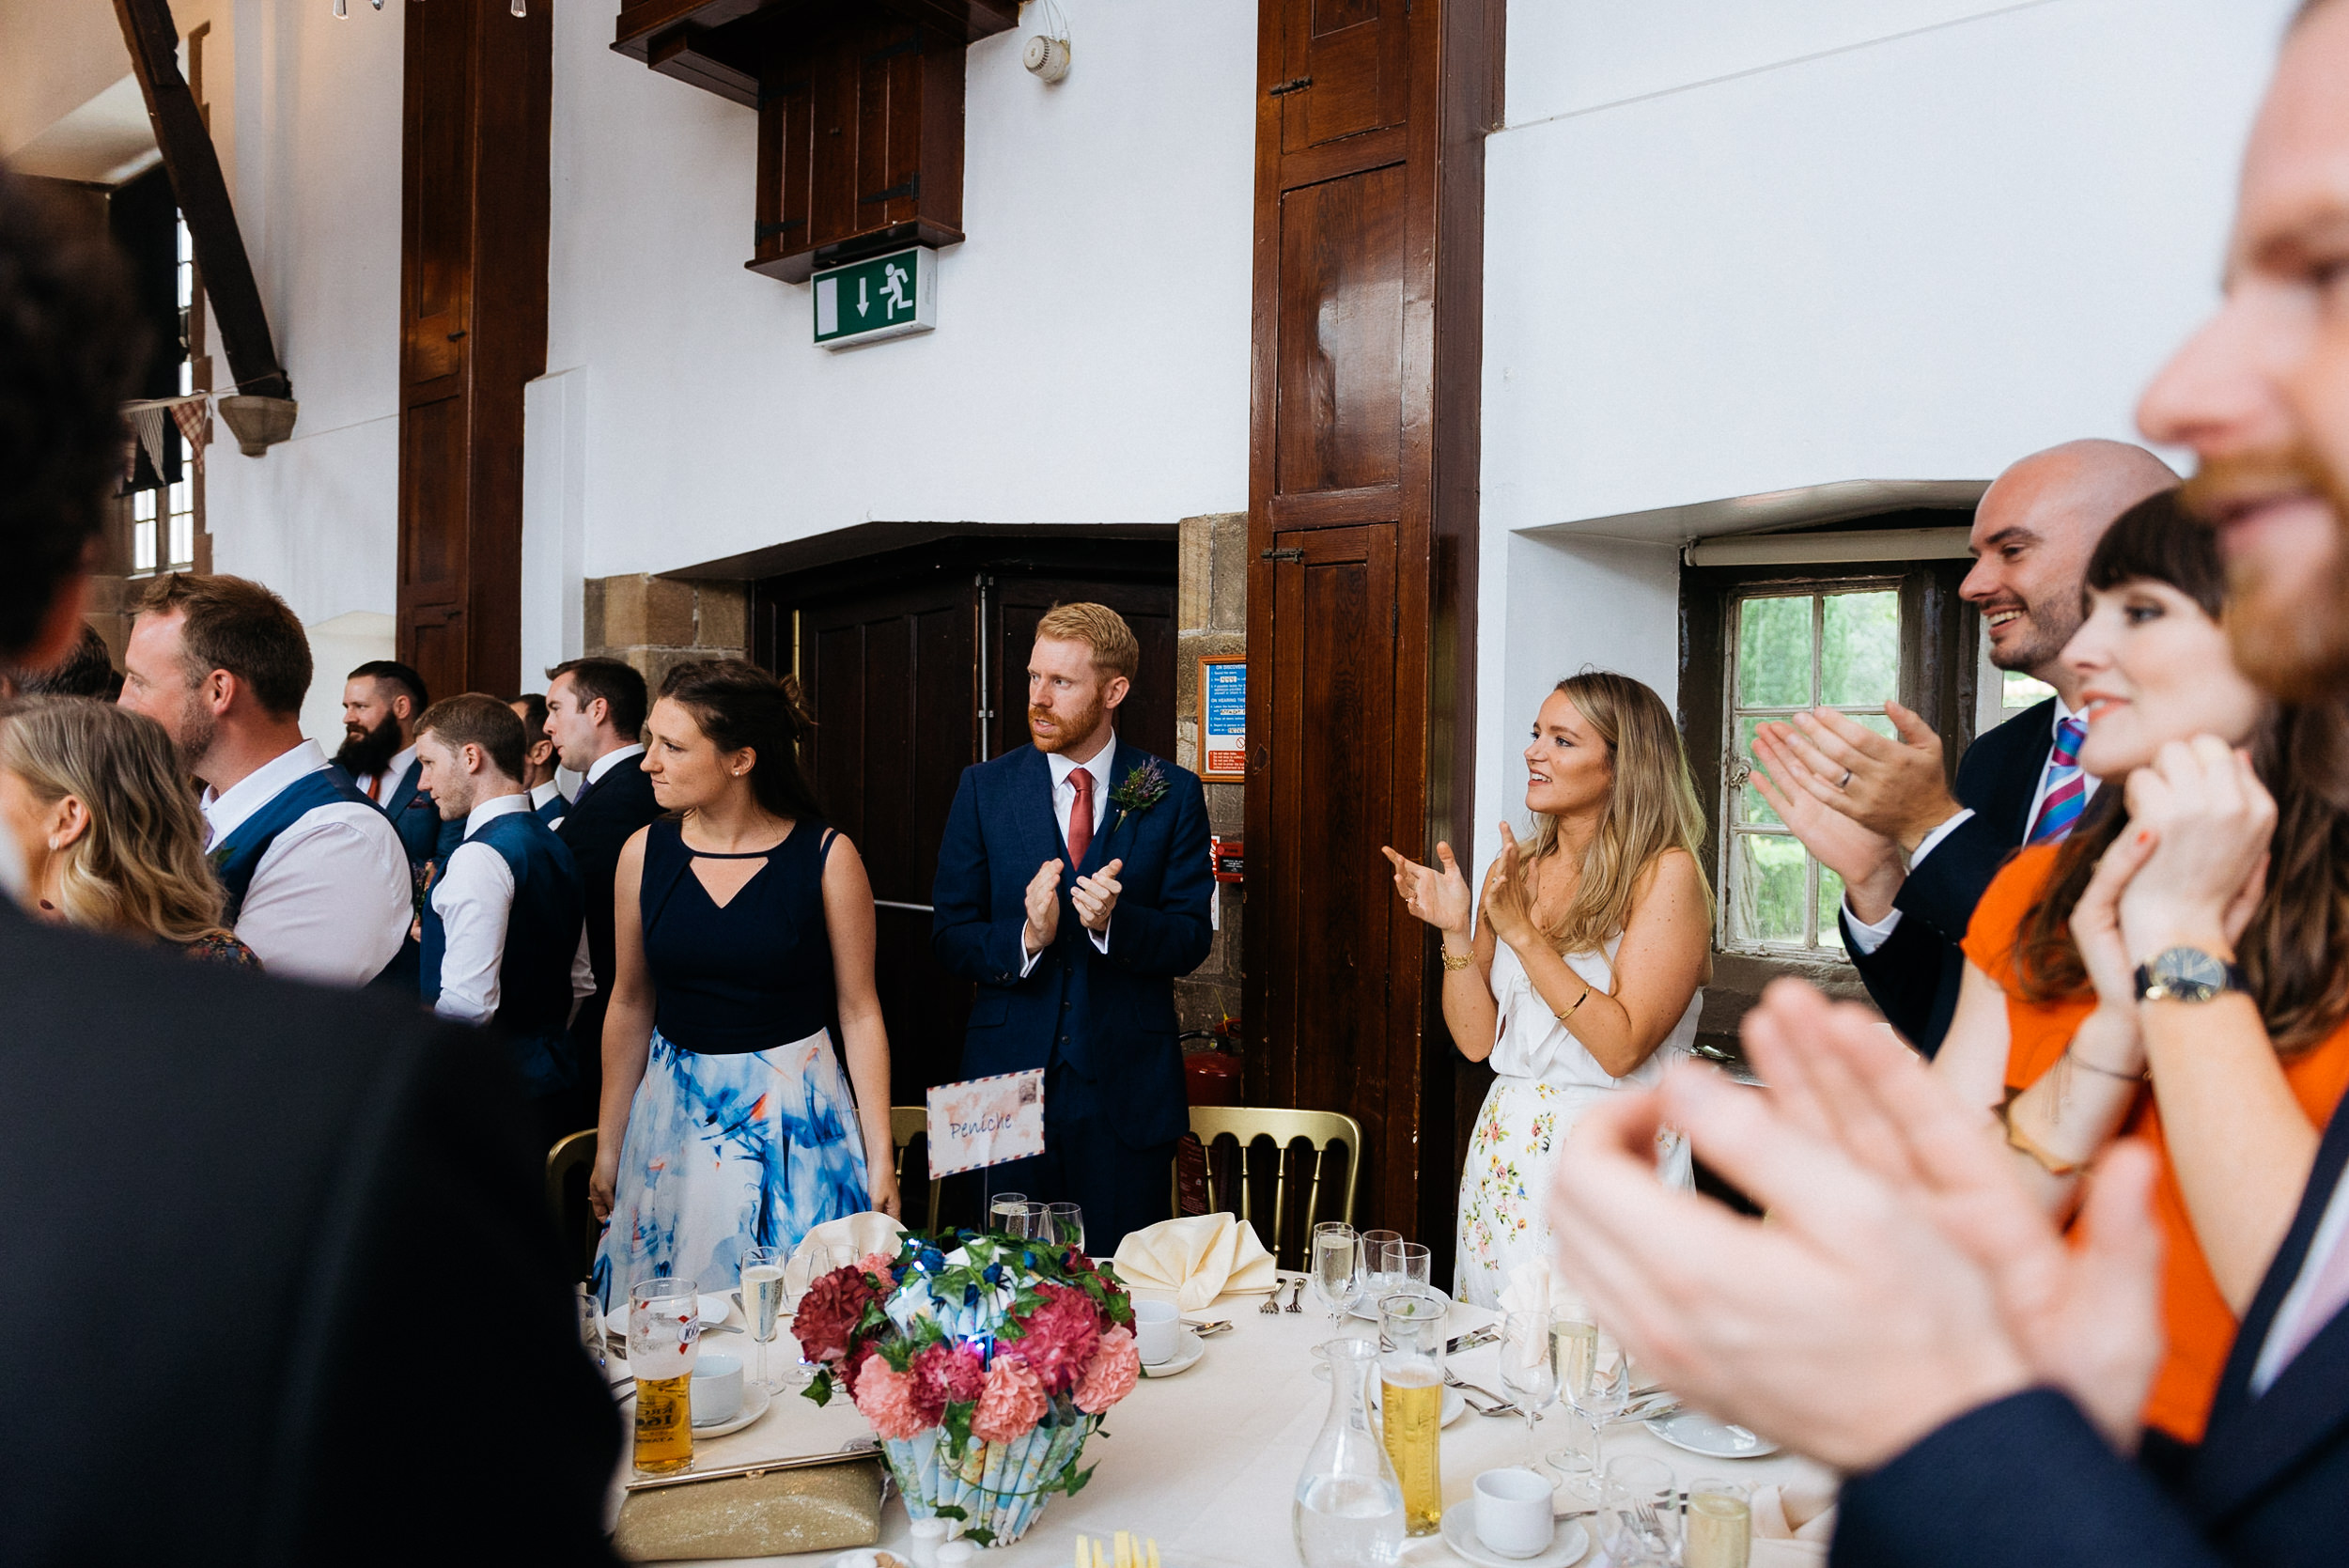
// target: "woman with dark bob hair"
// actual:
[[2049, 1031], [743, 924]]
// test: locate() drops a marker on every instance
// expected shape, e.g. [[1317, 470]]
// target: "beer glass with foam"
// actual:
[[1411, 1395], [664, 1329]]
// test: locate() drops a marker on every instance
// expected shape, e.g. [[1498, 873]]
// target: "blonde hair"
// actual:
[[1115, 649], [141, 865], [1651, 807]]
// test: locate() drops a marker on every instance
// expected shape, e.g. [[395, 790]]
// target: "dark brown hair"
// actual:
[[402, 676], [738, 705], [235, 625], [2295, 952], [477, 718], [614, 680]]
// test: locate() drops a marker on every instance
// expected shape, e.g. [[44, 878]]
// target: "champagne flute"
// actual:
[[762, 1301], [1529, 1369], [1594, 1375], [1336, 1262]]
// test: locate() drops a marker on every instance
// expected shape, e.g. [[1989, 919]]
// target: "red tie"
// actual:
[[1081, 817]]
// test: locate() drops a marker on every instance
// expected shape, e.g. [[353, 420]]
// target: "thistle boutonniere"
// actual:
[[1144, 788]]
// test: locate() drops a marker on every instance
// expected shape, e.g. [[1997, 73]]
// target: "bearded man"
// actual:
[[1073, 887], [382, 700]]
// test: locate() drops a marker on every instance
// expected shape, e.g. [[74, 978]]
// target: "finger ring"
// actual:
[[1846, 783]]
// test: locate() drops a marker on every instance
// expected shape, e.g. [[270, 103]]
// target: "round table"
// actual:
[[1206, 1462]]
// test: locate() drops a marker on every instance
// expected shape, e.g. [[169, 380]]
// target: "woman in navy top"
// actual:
[[743, 925]]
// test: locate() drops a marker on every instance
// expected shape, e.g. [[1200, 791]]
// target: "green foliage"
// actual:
[[820, 1388]]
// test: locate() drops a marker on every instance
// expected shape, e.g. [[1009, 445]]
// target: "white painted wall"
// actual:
[[1091, 359], [1734, 248]]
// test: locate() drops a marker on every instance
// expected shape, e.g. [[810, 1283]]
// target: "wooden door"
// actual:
[[1362, 520]]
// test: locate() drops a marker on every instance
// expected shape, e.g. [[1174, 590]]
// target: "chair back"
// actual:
[[1306, 1185], [906, 1124], [568, 1165]]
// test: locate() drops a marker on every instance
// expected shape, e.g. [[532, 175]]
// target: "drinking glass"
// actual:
[[1410, 1393], [1022, 1220], [664, 1327], [1003, 1207], [1380, 1272], [1064, 1223], [807, 1265], [762, 1301], [1717, 1532], [1336, 1264], [1413, 1266], [1528, 1369], [590, 1313], [1594, 1375], [1638, 1516]]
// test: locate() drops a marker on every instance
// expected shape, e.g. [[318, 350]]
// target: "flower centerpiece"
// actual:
[[982, 1370]]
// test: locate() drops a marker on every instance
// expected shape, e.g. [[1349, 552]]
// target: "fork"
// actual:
[[1272, 1300], [1298, 1297]]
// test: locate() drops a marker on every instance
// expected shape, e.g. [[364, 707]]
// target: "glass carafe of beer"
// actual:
[[664, 1329], [1410, 1392]]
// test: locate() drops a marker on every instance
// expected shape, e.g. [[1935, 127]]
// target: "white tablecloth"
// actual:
[[1206, 1462]]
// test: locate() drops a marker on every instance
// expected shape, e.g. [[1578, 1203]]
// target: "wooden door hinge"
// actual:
[[1298, 555], [1295, 84]]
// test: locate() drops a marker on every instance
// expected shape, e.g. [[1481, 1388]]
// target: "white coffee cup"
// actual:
[[1513, 1516], [717, 1389], [1157, 1331]]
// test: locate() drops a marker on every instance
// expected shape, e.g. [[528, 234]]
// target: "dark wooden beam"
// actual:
[[203, 197], [646, 28]]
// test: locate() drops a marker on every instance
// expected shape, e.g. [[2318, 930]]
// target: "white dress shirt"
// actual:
[[541, 795], [1064, 805], [332, 899], [378, 786], [1868, 938], [475, 899], [2304, 1301]]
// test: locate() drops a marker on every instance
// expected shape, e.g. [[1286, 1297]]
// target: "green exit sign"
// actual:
[[885, 296]]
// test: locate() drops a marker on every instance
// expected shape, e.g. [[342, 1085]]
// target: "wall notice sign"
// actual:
[[985, 1121], [884, 296], [1222, 719]]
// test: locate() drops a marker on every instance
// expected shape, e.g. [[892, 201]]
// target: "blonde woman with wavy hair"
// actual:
[[107, 829], [1582, 976]]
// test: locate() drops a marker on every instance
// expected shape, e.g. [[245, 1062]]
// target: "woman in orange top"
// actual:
[[2050, 1029]]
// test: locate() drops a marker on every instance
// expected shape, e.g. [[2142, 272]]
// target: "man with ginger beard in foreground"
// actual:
[[1909, 1315]]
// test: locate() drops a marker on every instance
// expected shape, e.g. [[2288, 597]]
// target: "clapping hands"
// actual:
[[1439, 897]]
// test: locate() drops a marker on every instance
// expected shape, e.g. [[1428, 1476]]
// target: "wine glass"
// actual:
[[1003, 1208], [1022, 1220], [1528, 1368], [1336, 1264], [813, 1260], [1065, 1224], [762, 1301], [1594, 1375], [1639, 1514]]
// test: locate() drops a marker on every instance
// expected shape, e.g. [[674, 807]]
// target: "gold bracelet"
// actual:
[[1570, 1012], [2054, 1164], [1454, 962]]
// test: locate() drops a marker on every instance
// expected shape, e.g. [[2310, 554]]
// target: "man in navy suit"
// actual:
[[1878, 811], [1073, 886], [382, 699], [1910, 1316]]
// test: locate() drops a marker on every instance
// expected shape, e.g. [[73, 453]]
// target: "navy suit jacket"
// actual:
[[417, 820], [1913, 978], [596, 827], [1109, 1016], [2028, 1481]]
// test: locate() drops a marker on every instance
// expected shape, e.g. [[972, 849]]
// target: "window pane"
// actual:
[[2022, 691], [143, 545], [1751, 807], [1774, 652], [1859, 649], [1767, 882], [1830, 900]]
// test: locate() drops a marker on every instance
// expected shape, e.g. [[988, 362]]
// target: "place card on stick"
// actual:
[[985, 1121]]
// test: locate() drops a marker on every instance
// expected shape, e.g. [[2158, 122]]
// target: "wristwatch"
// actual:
[[2187, 974]]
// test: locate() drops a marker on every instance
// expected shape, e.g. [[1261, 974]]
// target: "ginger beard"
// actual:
[[2287, 575], [1069, 724]]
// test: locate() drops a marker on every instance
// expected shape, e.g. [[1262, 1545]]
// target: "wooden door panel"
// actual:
[[1356, 55], [432, 538], [1340, 335], [439, 181], [435, 642]]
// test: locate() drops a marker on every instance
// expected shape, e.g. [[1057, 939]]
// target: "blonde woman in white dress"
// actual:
[[1582, 978]]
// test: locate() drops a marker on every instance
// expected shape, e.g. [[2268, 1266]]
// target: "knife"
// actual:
[[1471, 1340]]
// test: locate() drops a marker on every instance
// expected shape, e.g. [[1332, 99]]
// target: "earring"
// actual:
[[54, 841]]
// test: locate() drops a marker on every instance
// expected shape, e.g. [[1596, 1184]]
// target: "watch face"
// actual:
[[2184, 974]]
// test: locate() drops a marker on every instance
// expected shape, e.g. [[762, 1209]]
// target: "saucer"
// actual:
[[1187, 1353], [755, 1402], [1698, 1433], [1567, 1542]]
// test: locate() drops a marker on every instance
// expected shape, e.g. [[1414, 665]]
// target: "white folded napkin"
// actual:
[[1198, 1258], [1793, 1523], [860, 1234], [1536, 1289]]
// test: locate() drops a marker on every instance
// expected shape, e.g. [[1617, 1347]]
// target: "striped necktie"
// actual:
[[2067, 791]]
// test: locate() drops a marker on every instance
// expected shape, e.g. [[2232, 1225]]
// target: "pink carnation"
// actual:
[[1059, 1337], [1011, 1404], [887, 1398], [881, 1263], [1110, 1377], [947, 1373]]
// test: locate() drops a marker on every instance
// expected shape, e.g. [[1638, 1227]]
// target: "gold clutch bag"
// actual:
[[768, 1508]]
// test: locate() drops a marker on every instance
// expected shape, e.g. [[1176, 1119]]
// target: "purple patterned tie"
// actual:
[[2067, 790]]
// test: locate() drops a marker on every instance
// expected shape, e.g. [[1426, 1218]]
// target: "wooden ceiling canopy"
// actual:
[[859, 112]]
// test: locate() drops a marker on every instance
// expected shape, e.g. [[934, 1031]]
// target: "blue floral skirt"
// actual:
[[728, 1153]]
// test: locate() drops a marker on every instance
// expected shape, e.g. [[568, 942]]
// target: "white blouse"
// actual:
[[1534, 1044]]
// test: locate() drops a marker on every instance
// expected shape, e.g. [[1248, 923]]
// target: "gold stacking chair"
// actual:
[[906, 1124], [573, 1156], [1325, 1196]]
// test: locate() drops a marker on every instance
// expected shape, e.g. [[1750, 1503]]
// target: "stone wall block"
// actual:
[[1228, 609], [1194, 572], [721, 617], [592, 622]]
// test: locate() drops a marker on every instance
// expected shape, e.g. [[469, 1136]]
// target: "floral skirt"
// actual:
[[1504, 1192], [728, 1153]]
